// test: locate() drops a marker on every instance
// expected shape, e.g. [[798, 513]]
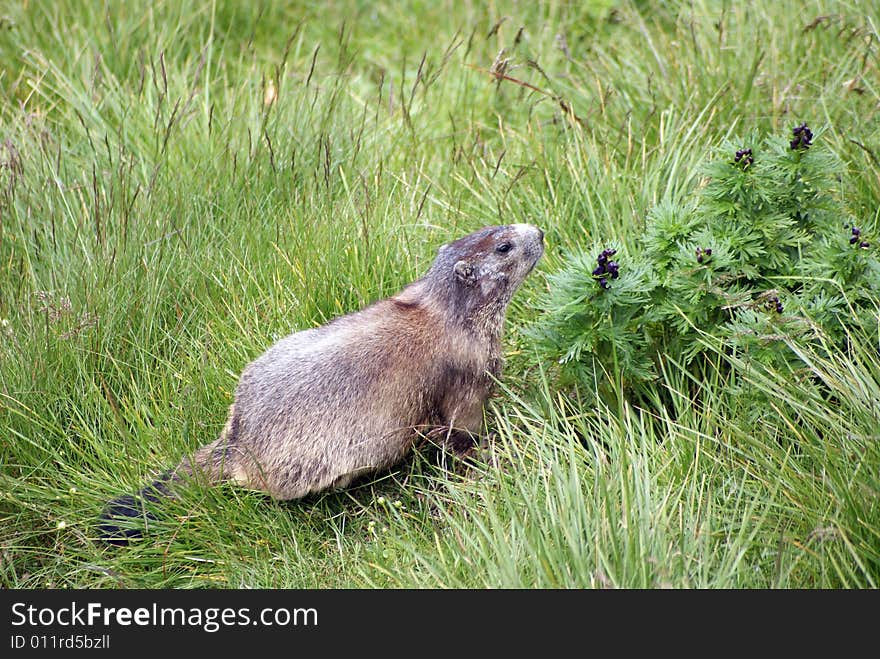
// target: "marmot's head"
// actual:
[[482, 271]]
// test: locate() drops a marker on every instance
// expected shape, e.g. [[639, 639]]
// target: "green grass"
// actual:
[[161, 225]]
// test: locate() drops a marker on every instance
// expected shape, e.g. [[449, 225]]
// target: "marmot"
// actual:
[[325, 405]]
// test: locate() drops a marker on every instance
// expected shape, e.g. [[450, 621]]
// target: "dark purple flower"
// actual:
[[744, 157], [857, 238], [606, 268], [802, 137], [774, 303]]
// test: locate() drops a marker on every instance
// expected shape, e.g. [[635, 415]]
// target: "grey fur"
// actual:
[[325, 405]]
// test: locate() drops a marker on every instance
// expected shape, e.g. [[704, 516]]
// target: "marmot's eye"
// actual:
[[503, 247]]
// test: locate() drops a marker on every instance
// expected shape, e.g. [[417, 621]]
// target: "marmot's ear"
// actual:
[[465, 273]]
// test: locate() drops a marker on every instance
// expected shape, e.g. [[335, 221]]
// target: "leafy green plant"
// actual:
[[763, 252]]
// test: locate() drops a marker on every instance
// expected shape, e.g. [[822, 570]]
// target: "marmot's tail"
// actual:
[[118, 521], [126, 517]]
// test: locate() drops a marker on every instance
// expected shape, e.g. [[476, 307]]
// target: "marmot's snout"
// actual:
[[529, 229], [532, 239]]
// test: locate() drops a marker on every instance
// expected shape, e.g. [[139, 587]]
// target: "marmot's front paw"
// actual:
[[487, 440], [462, 443]]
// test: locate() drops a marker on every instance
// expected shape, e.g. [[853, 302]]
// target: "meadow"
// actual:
[[182, 183]]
